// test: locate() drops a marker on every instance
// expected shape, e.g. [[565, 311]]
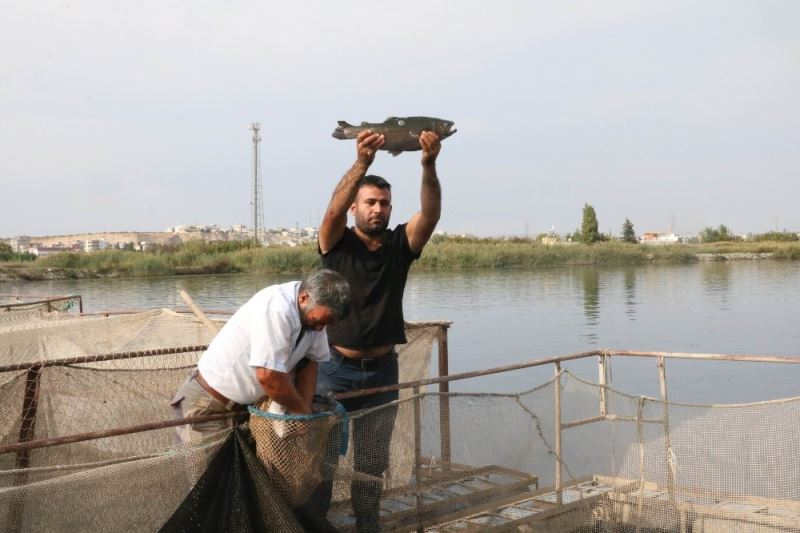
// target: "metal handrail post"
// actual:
[[602, 378], [418, 457], [662, 380], [444, 399], [559, 495], [30, 403]]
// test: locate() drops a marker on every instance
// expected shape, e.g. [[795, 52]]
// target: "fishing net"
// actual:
[[64, 375], [292, 447], [16, 311], [491, 461], [69, 375], [52, 336], [568, 455]]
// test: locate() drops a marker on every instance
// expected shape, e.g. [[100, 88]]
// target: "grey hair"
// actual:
[[329, 289]]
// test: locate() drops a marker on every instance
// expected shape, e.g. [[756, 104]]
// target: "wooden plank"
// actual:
[[544, 518], [472, 503], [456, 472], [430, 513], [452, 492]]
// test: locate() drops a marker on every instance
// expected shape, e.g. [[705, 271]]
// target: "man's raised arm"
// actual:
[[335, 220], [421, 226]]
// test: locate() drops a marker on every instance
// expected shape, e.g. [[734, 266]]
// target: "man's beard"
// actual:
[[373, 230], [303, 312]]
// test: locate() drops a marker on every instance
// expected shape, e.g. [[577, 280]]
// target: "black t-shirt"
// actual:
[[377, 281]]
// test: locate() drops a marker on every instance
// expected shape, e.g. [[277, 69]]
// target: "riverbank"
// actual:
[[442, 254]]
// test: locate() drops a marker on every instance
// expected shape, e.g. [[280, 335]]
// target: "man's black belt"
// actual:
[[364, 363]]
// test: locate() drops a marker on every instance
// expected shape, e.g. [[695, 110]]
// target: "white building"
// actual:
[[20, 243], [95, 245], [659, 238]]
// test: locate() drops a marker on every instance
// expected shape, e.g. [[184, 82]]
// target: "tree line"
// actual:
[[588, 233]]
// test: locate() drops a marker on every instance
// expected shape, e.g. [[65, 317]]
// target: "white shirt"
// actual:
[[262, 333]]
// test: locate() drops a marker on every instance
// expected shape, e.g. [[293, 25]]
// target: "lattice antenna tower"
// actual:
[[257, 200]]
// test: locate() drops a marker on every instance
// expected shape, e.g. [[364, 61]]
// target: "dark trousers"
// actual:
[[372, 434]]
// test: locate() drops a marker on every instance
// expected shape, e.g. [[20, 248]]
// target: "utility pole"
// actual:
[[257, 200]]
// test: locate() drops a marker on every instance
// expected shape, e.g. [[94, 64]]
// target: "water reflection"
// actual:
[[629, 281], [717, 282], [590, 281]]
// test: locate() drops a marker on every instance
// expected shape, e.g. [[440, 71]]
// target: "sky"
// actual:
[[134, 116]]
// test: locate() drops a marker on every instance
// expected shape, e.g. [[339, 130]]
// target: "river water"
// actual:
[[506, 317]]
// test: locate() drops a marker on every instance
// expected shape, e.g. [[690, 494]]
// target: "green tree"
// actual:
[[628, 235], [718, 234], [589, 233]]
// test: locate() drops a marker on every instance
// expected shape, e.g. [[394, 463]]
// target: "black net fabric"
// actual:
[[233, 494]]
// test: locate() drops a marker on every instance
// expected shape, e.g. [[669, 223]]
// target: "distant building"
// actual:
[[95, 245], [659, 238], [44, 251], [20, 243]]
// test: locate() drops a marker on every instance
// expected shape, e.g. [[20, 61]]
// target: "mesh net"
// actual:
[[646, 465], [18, 312], [568, 455], [64, 375], [50, 336], [93, 394], [292, 447]]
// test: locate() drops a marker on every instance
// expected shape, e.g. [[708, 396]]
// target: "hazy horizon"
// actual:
[[134, 117], [522, 234]]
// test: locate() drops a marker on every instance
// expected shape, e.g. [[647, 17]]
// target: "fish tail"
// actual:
[[344, 131]]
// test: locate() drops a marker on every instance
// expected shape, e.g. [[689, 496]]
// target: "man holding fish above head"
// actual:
[[375, 260]]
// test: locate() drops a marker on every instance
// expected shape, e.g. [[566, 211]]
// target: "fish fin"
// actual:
[[343, 124], [390, 119], [395, 152], [364, 123]]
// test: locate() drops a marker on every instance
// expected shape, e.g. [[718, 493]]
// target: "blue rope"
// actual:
[[338, 410]]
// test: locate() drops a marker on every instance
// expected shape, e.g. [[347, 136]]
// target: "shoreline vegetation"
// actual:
[[441, 254]]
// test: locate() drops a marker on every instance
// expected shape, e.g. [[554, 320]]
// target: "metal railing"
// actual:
[[605, 413], [48, 302]]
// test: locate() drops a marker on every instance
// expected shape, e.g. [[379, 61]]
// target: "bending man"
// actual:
[[279, 330]]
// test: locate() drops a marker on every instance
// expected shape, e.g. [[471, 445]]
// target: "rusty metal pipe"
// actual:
[[92, 435]]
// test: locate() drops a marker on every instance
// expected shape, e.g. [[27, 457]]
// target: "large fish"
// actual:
[[401, 133]]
